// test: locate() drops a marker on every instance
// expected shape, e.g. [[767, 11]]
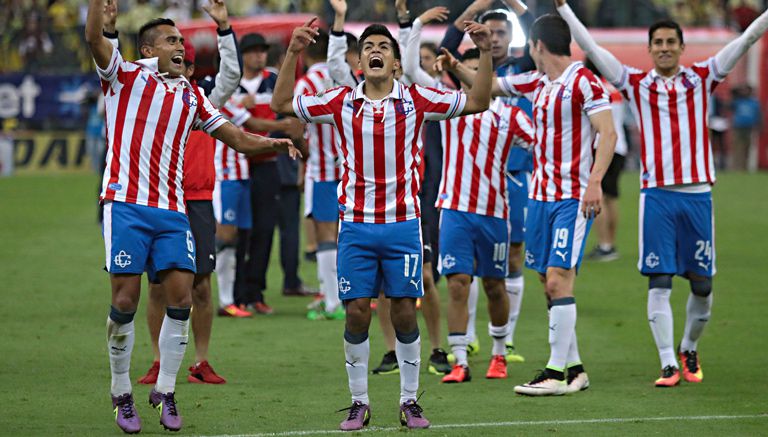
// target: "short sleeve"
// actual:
[[320, 107], [520, 84], [627, 73], [208, 117], [594, 96], [438, 104], [709, 71], [235, 113], [109, 74], [525, 134]]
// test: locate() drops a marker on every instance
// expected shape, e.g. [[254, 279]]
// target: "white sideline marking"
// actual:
[[509, 424]]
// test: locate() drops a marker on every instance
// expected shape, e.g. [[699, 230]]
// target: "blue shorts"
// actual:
[[325, 201], [141, 238], [517, 197], [555, 233], [374, 257], [473, 244], [677, 233], [232, 203]]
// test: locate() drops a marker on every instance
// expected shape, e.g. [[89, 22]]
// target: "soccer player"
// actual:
[[570, 108], [474, 233], [676, 219], [379, 124], [519, 164], [145, 226]]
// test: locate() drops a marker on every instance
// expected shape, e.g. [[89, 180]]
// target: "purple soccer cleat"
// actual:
[[359, 416], [126, 416], [166, 405], [410, 415]]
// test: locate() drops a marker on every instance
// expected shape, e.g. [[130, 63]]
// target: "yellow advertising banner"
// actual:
[[56, 151]]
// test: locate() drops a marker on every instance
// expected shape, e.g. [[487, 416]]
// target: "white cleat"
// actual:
[[578, 383], [542, 385]]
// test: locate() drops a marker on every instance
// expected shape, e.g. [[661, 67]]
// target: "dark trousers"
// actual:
[[288, 221]]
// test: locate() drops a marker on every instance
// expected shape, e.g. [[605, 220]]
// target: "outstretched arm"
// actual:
[[230, 71], [727, 57], [479, 96], [282, 97], [609, 66], [253, 144], [100, 46]]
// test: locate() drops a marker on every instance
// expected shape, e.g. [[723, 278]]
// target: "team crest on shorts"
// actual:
[[122, 259], [652, 260], [344, 285], [529, 258], [449, 261]]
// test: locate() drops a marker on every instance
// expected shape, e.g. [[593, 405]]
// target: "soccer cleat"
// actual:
[[497, 369], [300, 291], [512, 355], [547, 383], [151, 376], [166, 406], [359, 416], [318, 303], [458, 374], [262, 308], [577, 379], [233, 310], [670, 377], [473, 348], [418, 304], [203, 373], [438, 362], [388, 365], [599, 254], [691, 369], [126, 416], [411, 415]]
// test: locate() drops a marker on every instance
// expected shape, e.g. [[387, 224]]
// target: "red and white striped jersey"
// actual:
[[149, 117], [380, 145], [321, 138], [672, 117], [230, 164], [565, 140], [475, 151]]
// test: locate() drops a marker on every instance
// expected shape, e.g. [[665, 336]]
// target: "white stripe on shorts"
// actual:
[[579, 235], [641, 218], [107, 233]]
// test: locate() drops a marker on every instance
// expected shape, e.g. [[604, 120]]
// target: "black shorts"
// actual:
[[611, 179], [203, 224]]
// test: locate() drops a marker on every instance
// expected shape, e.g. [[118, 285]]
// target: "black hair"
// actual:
[[379, 29], [352, 43], [553, 32], [147, 36], [432, 47], [471, 53], [665, 24], [319, 49], [495, 16], [589, 65]]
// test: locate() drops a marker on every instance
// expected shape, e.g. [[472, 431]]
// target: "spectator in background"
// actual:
[[141, 12], [178, 10], [744, 14], [34, 41], [746, 116], [63, 17], [94, 131]]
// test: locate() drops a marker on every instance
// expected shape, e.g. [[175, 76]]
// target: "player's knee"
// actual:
[[125, 302], [660, 281], [702, 287], [201, 293], [494, 288], [358, 315]]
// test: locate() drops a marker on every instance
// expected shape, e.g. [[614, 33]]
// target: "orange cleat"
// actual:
[[458, 374], [151, 376], [691, 369], [670, 377], [497, 369], [234, 311], [262, 308], [203, 373]]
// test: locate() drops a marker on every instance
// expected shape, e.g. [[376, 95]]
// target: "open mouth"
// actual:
[[376, 63], [178, 60]]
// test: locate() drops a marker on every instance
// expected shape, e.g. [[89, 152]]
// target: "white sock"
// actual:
[[225, 275], [458, 344], [174, 335], [499, 335], [409, 360], [356, 356], [120, 338], [326, 272], [662, 326], [474, 293], [698, 311], [573, 352], [562, 325], [514, 288]]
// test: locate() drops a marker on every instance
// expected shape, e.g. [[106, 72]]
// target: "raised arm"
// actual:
[[479, 96], [729, 55], [282, 97], [610, 67], [100, 46], [448, 62], [337, 47], [412, 60], [230, 67]]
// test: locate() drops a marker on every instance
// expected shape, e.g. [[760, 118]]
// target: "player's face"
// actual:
[[377, 58], [665, 49], [189, 70], [428, 59], [353, 59], [255, 59], [168, 47], [501, 38]]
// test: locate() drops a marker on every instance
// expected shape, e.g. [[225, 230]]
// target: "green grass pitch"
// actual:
[[286, 374]]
